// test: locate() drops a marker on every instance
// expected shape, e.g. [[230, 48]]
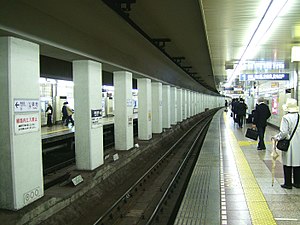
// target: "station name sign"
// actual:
[[264, 76]]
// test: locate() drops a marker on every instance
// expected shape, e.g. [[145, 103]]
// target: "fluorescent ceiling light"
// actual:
[[273, 10]]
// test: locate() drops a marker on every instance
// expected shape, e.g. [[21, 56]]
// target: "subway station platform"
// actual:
[[232, 181]]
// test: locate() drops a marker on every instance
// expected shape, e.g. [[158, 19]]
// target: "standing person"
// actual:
[[241, 108], [69, 116], [260, 116], [290, 158], [64, 113], [226, 105], [49, 112], [233, 108]]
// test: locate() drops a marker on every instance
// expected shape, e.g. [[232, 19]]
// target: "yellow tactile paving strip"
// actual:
[[258, 207]]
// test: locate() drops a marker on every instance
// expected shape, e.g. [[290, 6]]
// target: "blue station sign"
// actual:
[[264, 76]]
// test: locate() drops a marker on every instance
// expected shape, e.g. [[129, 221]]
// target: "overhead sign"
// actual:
[[26, 123], [26, 105], [264, 76]]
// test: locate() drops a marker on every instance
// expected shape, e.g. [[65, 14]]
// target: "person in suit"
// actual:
[[290, 158], [241, 108], [49, 112], [261, 115]]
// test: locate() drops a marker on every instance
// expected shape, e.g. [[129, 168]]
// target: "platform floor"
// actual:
[[60, 129], [232, 181]]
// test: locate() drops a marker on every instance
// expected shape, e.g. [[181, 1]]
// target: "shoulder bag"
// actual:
[[284, 144]]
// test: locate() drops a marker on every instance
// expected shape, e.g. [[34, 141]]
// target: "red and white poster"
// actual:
[[26, 123]]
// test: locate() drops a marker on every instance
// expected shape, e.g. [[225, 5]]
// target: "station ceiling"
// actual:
[[186, 43]]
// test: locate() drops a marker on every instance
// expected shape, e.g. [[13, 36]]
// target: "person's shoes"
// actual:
[[286, 186], [259, 149], [296, 185]]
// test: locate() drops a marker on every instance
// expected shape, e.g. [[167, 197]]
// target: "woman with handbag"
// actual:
[[290, 130]]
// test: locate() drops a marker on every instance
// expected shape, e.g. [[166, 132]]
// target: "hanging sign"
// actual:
[[264, 76], [26, 123], [26, 105], [96, 118]]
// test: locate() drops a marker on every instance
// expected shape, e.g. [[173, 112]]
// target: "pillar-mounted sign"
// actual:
[[27, 118], [96, 116]]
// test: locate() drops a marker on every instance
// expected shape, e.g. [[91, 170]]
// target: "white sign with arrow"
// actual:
[[26, 105]]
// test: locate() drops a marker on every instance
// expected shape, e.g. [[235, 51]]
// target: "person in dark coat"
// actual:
[[234, 104], [64, 113], [261, 115], [241, 108], [49, 112]]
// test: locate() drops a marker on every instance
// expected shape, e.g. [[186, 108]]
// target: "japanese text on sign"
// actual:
[[96, 116], [26, 105], [26, 123]]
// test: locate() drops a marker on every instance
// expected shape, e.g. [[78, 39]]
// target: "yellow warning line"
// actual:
[[257, 204]]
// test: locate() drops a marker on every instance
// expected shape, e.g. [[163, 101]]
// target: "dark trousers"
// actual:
[[49, 120], [261, 135], [288, 170], [69, 119], [240, 119]]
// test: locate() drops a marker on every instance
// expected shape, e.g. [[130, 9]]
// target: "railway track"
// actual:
[[154, 198]]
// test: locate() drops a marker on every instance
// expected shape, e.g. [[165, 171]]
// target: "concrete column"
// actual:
[[123, 110], [179, 105], [156, 107], [188, 100], [173, 105], [166, 122], [21, 175], [192, 104], [184, 104], [87, 76], [144, 109]]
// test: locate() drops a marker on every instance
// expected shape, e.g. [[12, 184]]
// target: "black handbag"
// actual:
[[284, 144], [252, 134]]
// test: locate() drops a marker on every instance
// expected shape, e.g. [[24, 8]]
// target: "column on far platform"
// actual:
[[123, 110], [144, 109], [166, 122], [156, 107], [188, 100], [184, 104], [21, 169], [173, 105], [179, 105], [192, 103], [198, 103], [87, 76]]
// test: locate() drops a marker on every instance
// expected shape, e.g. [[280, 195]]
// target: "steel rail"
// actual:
[[176, 175], [124, 196]]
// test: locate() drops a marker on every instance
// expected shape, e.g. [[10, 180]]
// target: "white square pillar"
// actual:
[[123, 110], [166, 122], [21, 179], [87, 76], [156, 107], [173, 105], [144, 109], [188, 100], [179, 105], [184, 104]]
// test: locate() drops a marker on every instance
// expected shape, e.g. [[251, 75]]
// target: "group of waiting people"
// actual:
[[289, 123], [238, 108]]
